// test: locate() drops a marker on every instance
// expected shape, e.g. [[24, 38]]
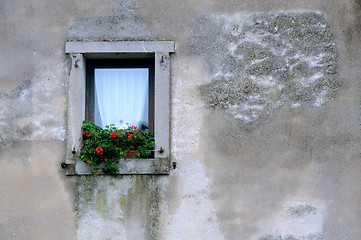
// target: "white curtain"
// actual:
[[121, 97]]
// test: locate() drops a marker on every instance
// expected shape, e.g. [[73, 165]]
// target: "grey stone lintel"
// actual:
[[120, 47]]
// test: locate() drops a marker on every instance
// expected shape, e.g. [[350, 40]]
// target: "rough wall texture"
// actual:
[[268, 129], [265, 121], [258, 63], [37, 201], [264, 61]]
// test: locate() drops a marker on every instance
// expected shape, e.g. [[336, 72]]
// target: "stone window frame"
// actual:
[[81, 51]]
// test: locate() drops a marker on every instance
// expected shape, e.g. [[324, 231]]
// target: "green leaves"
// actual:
[[103, 148]]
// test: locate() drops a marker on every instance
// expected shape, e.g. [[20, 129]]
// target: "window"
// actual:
[[120, 82], [120, 92]]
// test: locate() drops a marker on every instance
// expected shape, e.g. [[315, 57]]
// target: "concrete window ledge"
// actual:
[[81, 51], [133, 166]]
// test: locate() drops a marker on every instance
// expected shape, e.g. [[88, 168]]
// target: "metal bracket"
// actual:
[[64, 165], [73, 151], [161, 150]]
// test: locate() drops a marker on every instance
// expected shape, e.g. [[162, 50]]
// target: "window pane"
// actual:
[[121, 97]]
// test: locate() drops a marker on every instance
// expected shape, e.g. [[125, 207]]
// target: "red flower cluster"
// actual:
[[133, 128], [85, 133], [135, 135], [99, 150], [114, 135]]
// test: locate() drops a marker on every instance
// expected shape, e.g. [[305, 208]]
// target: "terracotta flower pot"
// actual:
[[130, 154]]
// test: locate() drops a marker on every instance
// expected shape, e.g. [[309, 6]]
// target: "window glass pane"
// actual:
[[121, 97]]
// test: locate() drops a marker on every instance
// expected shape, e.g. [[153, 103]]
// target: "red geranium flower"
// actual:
[[99, 150]]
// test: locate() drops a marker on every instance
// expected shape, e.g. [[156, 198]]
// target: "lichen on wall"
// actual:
[[264, 61]]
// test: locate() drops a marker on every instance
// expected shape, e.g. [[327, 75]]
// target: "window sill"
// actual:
[[132, 166]]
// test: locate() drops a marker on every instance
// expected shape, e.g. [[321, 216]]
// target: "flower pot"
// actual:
[[130, 154]]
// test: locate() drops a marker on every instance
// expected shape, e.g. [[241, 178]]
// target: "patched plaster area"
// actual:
[[189, 212], [35, 110], [262, 61], [298, 221], [194, 217]]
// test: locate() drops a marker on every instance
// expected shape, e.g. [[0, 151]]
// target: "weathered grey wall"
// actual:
[[265, 122]]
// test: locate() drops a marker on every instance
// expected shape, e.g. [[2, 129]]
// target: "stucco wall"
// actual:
[[265, 122]]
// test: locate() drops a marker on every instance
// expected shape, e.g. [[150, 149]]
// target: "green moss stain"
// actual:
[[122, 202], [133, 199], [141, 203], [147, 199], [100, 203], [84, 195]]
